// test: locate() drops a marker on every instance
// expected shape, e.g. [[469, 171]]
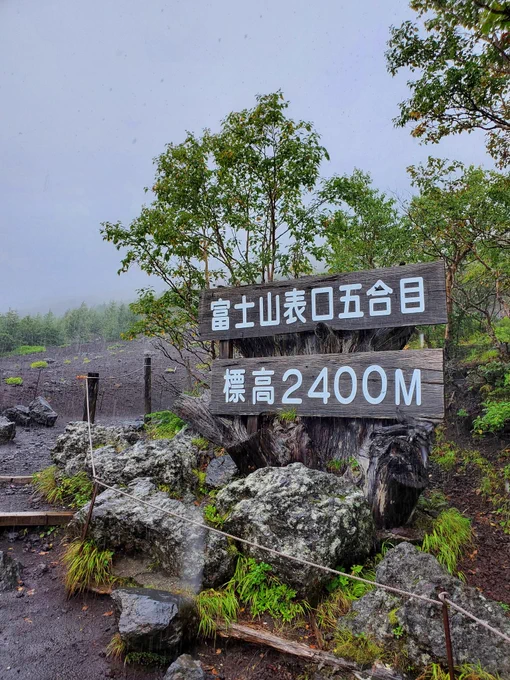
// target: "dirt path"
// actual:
[[44, 635]]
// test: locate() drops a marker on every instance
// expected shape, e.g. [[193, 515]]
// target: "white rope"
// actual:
[[299, 560], [272, 551]]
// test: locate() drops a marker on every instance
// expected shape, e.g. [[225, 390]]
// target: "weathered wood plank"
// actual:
[[41, 518], [15, 479], [257, 636], [399, 385], [417, 297]]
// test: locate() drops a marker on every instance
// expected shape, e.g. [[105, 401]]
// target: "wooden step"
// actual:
[[37, 518], [15, 479]]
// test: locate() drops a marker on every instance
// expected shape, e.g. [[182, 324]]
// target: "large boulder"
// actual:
[[18, 414], [421, 625], [10, 572], [220, 472], [185, 668], [7, 430], [71, 448], [121, 456], [300, 512], [197, 557], [154, 620], [41, 412]]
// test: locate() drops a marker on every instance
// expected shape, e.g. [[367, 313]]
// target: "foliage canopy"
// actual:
[[459, 54]]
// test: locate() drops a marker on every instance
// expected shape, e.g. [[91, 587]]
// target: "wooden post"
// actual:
[[147, 394], [92, 385]]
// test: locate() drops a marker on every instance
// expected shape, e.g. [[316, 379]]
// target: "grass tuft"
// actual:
[[201, 443], [28, 349], [464, 672], [360, 648], [116, 647], [86, 566], [13, 381], [163, 425], [39, 364], [73, 491], [216, 605], [450, 535]]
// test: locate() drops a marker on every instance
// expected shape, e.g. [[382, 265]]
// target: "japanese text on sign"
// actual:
[[379, 298], [381, 385]]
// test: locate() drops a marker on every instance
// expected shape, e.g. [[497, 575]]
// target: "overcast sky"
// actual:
[[91, 92]]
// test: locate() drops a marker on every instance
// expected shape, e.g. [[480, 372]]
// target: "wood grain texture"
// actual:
[[434, 303], [429, 363]]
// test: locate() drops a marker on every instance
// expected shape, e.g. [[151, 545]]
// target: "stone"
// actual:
[[220, 472], [408, 568], [7, 430], [300, 512], [10, 572], [18, 414], [41, 412], [122, 456], [185, 668], [154, 620], [197, 557]]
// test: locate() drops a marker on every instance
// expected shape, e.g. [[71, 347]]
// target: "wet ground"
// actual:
[[46, 636], [43, 634]]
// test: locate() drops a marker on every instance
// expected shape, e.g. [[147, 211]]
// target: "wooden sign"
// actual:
[[395, 385], [376, 298]]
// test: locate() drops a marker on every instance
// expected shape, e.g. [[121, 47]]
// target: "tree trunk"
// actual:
[[387, 459]]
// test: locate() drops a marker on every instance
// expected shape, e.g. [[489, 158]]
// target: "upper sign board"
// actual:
[[376, 298]]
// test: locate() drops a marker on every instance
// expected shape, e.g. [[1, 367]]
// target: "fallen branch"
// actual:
[[318, 656]]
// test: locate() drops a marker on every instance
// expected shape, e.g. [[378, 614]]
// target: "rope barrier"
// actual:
[[299, 560]]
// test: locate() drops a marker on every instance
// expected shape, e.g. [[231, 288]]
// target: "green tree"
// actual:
[[459, 51], [367, 230], [462, 216], [235, 207]]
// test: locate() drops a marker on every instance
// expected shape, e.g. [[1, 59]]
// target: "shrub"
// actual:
[[495, 418], [86, 566], [163, 425], [13, 381], [39, 364], [450, 535], [29, 349]]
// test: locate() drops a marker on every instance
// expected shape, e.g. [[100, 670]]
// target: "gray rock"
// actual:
[[10, 572], [220, 472], [18, 414], [122, 456], [41, 412], [301, 512], [154, 620], [199, 558], [408, 568], [185, 668], [7, 430]]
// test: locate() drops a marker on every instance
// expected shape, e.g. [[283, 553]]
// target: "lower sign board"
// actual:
[[395, 385]]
